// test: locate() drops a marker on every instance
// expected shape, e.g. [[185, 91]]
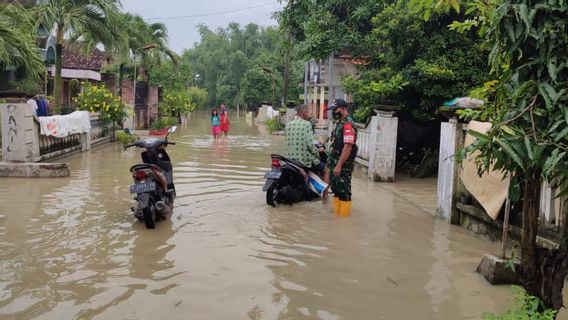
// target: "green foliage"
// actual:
[[417, 63], [176, 103], [96, 98], [372, 88], [274, 125], [164, 122], [257, 87], [332, 26], [197, 96], [18, 41], [525, 307], [124, 137], [231, 57], [529, 137], [90, 22]]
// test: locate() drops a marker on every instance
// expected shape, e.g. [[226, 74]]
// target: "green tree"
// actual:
[[257, 87], [223, 57], [77, 19], [529, 110], [18, 32]]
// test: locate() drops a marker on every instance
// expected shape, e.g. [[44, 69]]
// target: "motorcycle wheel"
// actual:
[[271, 196], [149, 214]]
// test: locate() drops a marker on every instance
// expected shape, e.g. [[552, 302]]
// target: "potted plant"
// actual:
[[161, 126]]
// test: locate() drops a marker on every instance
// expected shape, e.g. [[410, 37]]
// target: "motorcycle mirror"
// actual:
[[127, 131]]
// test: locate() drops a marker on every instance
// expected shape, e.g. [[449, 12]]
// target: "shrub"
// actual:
[[99, 99], [177, 103], [124, 137], [163, 122], [273, 125], [525, 307]]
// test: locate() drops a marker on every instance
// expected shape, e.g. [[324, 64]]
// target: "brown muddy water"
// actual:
[[71, 249]]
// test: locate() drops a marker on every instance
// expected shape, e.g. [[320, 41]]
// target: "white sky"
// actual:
[[213, 13]]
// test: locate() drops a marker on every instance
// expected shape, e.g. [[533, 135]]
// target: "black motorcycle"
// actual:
[[287, 181], [153, 180]]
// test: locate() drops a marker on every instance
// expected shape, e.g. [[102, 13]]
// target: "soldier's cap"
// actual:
[[337, 103]]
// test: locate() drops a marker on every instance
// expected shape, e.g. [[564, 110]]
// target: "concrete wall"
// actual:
[[19, 135], [377, 147], [382, 161], [153, 96]]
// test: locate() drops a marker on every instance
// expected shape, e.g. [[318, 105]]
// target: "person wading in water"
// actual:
[[341, 160]]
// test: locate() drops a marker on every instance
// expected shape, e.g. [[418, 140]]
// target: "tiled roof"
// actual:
[[73, 58]]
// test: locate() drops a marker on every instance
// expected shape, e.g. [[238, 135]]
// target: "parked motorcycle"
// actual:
[[153, 179], [287, 181]]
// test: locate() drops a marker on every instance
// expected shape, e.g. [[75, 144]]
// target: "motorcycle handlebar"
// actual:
[[172, 143], [130, 145]]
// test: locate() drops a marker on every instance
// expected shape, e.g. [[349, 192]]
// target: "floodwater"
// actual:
[[71, 249]]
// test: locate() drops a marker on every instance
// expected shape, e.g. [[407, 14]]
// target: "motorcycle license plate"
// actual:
[[274, 174], [143, 187]]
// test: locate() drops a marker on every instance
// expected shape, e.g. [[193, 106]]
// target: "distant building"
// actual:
[[322, 82]]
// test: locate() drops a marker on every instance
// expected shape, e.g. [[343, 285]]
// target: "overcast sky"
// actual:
[[214, 13]]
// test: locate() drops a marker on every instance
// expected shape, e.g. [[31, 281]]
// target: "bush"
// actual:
[[274, 125], [124, 137], [177, 103], [99, 99], [164, 122], [525, 307]]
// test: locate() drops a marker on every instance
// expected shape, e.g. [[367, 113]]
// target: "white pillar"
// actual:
[[20, 138], [373, 129], [382, 169], [451, 139]]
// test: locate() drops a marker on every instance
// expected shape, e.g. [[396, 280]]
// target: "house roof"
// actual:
[[74, 58]]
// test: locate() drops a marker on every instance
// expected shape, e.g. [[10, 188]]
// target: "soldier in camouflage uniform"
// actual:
[[341, 160]]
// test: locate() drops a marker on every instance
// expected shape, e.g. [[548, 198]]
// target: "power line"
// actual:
[[212, 13]]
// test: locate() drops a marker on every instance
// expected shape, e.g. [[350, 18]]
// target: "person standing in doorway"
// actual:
[[225, 123], [215, 124], [341, 160]]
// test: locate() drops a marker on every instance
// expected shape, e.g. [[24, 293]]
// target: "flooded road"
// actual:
[[71, 249]]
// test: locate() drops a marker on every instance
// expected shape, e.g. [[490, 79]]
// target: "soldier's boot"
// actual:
[[336, 205], [344, 208]]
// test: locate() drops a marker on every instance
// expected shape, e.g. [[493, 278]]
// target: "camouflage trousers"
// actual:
[[341, 186]]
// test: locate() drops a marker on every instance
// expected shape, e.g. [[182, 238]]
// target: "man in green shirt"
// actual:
[[300, 141]]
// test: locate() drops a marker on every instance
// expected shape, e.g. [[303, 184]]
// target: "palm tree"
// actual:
[[88, 20], [18, 34], [138, 38]]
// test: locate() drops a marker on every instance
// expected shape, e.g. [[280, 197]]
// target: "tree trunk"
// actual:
[[542, 271], [57, 80], [287, 58]]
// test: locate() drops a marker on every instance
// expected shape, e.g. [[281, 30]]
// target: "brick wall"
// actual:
[[109, 80], [153, 97], [128, 92]]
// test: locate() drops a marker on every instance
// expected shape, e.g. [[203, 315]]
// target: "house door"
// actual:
[[141, 119]]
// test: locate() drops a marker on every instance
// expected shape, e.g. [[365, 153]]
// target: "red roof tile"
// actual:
[[73, 58]]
